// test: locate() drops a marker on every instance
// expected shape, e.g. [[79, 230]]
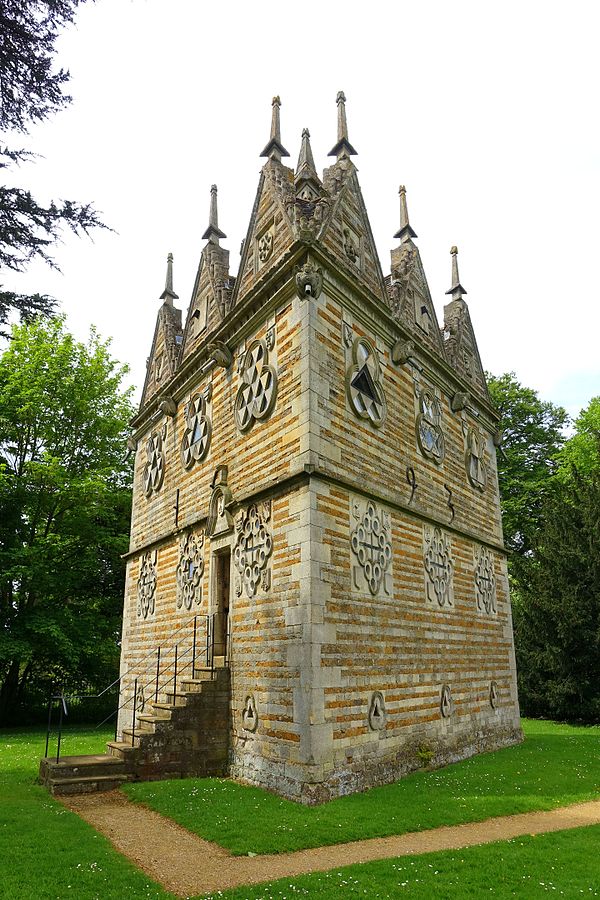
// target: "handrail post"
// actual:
[[48, 726], [117, 714], [207, 637], [175, 680], [157, 673], [194, 651], [60, 721], [134, 711]]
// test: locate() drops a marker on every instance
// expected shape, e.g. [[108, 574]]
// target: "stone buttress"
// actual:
[[316, 495]]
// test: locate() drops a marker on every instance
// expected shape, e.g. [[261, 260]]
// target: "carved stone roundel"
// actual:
[[363, 383], [372, 546], [154, 470], [258, 389], [253, 548], [197, 433], [190, 570], [146, 587]]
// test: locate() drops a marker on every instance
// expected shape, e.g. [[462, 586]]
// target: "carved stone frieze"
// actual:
[[154, 470], [190, 570], [371, 543], [197, 431], [253, 547], [485, 581], [257, 392], [363, 383], [438, 567], [146, 586]]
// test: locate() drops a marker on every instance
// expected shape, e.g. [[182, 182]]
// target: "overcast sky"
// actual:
[[487, 112]]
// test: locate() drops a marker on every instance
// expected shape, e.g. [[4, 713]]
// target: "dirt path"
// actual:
[[187, 865]]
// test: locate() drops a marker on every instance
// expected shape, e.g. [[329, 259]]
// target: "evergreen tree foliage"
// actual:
[[557, 609], [31, 90], [64, 513]]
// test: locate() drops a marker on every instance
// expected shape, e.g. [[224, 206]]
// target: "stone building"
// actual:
[[316, 496]]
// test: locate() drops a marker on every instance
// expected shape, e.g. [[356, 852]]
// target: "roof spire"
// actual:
[[406, 231], [343, 146], [168, 295], [275, 149], [457, 290], [213, 232]]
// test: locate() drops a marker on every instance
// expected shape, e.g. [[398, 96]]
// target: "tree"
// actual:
[[29, 92], [64, 512], [582, 450], [532, 439], [557, 616]]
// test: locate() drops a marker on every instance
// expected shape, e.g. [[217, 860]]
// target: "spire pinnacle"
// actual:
[[213, 232], [168, 295], [457, 290], [275, 149], [406, 231], [343, 146]]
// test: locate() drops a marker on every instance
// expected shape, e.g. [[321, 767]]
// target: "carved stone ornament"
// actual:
[[350, 245], [438, 567], [257, 392], [265, 246], [140, 699], [446, 704], [146, 586], [197, 432], [403, 351], [347, 334], [475, 459], [270, 338], [253, 548], [220, 520], [190, 570], [494, 694], [309, 281], [377, 713], [485, 582], [429, 431], [154, 470], [249, 714], [371, 543], [363, 383], [221, 354]]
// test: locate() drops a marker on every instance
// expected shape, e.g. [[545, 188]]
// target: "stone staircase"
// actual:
[[184, 734]]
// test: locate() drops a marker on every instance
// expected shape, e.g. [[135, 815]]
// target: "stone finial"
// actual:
[[275, 149], [168, 295], [457, 290], [213, 232], [405, 231], [305, 170], [343, 146]]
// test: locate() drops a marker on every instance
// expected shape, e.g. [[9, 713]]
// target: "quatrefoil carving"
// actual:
[[197, 433], [258, 389]]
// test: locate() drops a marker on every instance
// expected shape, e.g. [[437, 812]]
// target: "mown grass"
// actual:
[[47, 852], [564, 864], [555, 766]]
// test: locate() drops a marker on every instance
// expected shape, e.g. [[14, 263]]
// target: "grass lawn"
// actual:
[[564, 864], [555, 766], [47, 852]]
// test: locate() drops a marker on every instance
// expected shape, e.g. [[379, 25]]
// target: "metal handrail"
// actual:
[[155, 681]]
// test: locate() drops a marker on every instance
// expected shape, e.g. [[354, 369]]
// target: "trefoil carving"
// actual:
[[371, 544], [485, 582], [475, 459], [429, 426], [249, 714], [446, 703], [253, 548], [197, 432], [258, 389], [377, 712], [363, 383], [438, 568], [154, 470], [190, 570], [494, 694], [146, 586]]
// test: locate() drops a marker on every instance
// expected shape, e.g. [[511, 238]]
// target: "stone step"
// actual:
[[130, 739], [171, 699], [120, 749], [87, 784], [80, 767]]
